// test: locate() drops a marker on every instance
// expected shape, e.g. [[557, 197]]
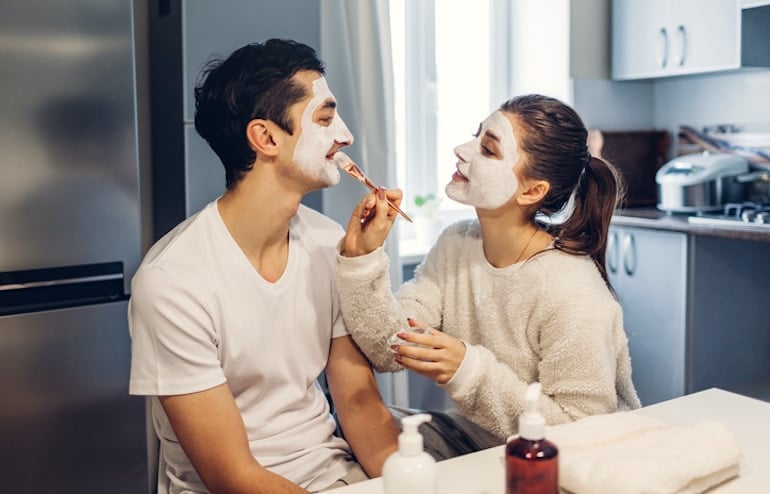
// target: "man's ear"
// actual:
[[261, 136], [533, 192]]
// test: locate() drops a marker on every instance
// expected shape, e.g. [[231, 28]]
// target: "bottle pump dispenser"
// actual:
[[410, 470]]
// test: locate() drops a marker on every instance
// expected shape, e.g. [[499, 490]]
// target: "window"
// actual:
[[455, 61]]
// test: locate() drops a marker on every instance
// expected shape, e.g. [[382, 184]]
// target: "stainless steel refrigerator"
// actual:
[[69, 244]]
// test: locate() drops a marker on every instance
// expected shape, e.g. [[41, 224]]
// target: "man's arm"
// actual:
[[368, 425], [210, 429]]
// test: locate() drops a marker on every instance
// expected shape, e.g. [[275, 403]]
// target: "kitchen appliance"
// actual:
[[70, 242], [701, 182], [744, 215]]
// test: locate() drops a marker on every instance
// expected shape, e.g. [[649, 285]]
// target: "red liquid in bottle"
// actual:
[[531, 467]]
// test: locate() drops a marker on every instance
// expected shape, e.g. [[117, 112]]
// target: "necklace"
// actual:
[[534, 232]]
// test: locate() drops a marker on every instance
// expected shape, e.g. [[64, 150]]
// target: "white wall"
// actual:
[[742, 97]]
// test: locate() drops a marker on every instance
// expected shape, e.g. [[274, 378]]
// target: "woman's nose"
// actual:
[[458, 153]]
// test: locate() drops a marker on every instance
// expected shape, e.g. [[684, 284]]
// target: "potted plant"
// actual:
[[427, 222]]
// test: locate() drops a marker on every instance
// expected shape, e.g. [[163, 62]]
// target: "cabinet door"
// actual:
[[650, 277], [639, 40], [705, 36], [657, 38]]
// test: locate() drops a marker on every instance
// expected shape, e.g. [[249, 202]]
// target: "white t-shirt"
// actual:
[[200, 315]]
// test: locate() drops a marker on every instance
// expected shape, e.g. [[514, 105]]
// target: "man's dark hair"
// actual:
[[255, 81]]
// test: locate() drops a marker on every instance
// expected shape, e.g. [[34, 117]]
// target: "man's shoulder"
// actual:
[[183, 245]]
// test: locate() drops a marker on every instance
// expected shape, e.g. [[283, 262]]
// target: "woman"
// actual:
[[508, 301]]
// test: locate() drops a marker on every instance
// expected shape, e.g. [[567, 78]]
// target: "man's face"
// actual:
[[321, 132], [484, 176]]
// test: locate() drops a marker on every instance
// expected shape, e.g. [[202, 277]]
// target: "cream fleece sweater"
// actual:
[[550, 319]]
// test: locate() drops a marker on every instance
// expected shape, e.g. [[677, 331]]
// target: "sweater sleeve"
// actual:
[[570, 333], [372, 313], [487, 392]]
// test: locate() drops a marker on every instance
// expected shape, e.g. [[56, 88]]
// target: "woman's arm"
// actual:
[[371, 311], [572, 350]]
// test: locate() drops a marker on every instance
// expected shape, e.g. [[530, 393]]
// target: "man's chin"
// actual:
[[331, 177]]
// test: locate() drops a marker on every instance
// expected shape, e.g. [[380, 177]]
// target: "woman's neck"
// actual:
[[509, 238]]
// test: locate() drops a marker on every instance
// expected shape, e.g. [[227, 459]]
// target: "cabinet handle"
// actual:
[[629, 254], [682, 44], [612, 252], [662, 57]]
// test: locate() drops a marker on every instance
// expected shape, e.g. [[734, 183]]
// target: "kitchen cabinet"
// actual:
[[729, 325], [648, 270], [660, 38], [694, 304]]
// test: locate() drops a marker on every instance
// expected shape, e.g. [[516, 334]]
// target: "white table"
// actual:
[[749, 419]]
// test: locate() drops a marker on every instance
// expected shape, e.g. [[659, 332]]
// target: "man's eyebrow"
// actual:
[[329, 104]]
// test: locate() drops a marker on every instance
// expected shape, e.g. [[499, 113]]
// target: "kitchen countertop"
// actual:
[[658, 220], [412, 252]]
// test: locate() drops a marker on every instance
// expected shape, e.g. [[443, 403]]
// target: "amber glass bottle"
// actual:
[[531, 467], [531, 461]]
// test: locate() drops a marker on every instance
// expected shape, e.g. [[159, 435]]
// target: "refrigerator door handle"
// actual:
[[68, 281], [35, 290]]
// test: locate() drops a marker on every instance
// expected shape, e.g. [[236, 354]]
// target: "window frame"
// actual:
[[417, 165]]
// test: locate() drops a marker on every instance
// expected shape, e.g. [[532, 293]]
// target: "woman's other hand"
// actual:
[[438, 357], [371, 221]]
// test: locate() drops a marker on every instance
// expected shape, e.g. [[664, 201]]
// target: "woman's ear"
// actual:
[[261, 136], [532, 192]]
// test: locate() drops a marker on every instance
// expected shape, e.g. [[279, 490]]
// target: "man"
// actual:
[[234, 313]]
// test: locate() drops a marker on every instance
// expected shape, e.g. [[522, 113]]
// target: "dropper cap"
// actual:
[[410, 440], [532, 422]]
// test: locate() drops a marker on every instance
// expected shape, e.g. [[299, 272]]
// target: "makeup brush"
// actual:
[[343, 161]]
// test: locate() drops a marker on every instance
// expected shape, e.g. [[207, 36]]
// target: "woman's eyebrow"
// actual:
[[492, 135]]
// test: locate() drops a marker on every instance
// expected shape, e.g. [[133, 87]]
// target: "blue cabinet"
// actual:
[[695, 310], [648, 270]]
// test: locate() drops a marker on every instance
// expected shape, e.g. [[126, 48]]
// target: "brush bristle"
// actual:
[[341, 159]]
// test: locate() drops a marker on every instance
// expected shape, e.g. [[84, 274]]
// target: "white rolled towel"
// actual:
[[629, 453]]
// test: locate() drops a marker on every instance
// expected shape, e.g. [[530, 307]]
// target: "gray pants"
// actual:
[[449, 434]]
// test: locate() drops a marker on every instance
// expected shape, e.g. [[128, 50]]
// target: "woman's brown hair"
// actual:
[[553, 141]]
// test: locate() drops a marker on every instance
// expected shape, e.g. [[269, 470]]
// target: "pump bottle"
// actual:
[[410, 470], [531, 461]]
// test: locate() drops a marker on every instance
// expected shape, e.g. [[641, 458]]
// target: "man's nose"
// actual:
[[344, 141], [342, 134]]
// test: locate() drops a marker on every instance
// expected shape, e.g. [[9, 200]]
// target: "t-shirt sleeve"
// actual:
[[174, 346]]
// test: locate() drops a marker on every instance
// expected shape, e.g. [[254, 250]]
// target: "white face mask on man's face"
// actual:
[[485, 181], [316, 141]]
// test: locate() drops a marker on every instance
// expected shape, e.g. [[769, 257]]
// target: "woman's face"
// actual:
[[484, 176]]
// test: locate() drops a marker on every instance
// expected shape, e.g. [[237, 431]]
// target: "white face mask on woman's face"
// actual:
[[482, 180], [316, 141]]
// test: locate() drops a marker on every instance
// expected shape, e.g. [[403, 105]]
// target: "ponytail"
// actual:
[[553, 141], [584, 232]]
